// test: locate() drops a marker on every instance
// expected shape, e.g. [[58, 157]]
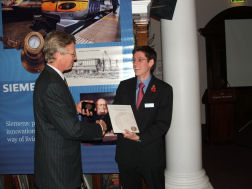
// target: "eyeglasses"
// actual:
[[139, 60], [72, 54]]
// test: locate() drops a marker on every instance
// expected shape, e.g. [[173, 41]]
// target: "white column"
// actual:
[[180, 69]]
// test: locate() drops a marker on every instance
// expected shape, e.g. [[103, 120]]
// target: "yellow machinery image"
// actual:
[[70, 15]]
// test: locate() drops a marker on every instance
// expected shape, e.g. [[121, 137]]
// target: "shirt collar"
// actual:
[[59, 72], [145, 82]]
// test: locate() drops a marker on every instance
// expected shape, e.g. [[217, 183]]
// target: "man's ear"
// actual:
[[151, 63], [56, 55]]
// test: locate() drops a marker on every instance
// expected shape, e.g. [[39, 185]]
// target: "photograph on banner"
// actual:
[[90, 21], [96, 66], [97, 104]]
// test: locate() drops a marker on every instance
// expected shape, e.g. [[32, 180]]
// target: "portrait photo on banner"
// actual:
[[97, 103]]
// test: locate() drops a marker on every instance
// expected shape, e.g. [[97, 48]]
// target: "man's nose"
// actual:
[[135, 63]]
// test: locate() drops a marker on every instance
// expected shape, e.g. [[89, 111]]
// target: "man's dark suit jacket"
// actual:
[[153, 119], [58, 134]]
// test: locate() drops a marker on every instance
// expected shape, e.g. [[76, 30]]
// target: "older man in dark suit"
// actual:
[[58, 131], [143, 155]]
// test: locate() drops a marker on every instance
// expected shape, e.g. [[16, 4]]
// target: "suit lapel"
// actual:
[[133, 93]]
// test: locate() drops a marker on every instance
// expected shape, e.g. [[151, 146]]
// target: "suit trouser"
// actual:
[[131, 177]]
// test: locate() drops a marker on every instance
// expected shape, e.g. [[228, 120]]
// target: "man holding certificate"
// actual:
[[141, 154]]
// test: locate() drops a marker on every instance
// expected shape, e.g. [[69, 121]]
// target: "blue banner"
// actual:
[[17, 124]]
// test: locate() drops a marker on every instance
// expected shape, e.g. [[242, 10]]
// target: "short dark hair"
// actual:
[[149, 52], [56, 41]]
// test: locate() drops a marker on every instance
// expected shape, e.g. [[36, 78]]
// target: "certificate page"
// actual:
[[122, 118]]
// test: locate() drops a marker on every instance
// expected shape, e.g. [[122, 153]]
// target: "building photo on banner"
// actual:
[[104, 44], [96, 66]]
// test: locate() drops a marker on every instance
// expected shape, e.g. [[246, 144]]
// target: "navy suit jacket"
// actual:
[[58, 134], [153, 119]]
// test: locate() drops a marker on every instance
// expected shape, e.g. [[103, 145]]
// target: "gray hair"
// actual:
[[56, 41]]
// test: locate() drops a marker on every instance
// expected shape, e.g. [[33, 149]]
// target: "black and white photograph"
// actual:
[[96, 66]]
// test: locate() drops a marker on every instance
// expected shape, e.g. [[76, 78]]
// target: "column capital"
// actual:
[[140, 26], [140, 12]]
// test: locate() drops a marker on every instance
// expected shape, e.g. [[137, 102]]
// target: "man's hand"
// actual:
[[103, 124], [130, 135], [84, 111]]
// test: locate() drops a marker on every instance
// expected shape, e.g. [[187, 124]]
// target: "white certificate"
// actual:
[[122, 118]]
